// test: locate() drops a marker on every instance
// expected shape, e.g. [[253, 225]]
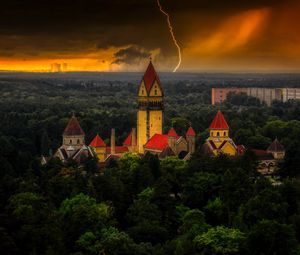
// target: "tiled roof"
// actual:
[[219, 122], [128, 140], [157, 142], [150, 76], [73, 128], [275, 146], [191, 132], [97, 142]]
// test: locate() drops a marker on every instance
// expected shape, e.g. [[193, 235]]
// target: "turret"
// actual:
[[219, 129], [191, 139], [73, 136], [172, 138]]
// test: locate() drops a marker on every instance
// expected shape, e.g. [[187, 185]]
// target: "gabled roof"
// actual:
[[219, 122], [191, 132], [172, 132], [150, 77], [97, 142], [73, 127], [128, 140], [275, 146]]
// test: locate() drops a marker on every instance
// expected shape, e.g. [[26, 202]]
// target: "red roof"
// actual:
[[118, 149], [191, 132], [172, 132], [150, 76], [73, 127], [128, 140], [219, 122], [97, 142], [157, 142]]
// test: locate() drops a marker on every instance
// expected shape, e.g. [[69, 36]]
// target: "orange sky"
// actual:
[[259, 38]]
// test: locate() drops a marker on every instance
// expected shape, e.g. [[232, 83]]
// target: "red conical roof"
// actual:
[[73, 128], [191, 132], [219, 122], [128, 140], [172, 132], [150, 76], [97, 142]]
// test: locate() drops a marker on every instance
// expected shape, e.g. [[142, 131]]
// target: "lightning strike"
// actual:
[[172, 34]]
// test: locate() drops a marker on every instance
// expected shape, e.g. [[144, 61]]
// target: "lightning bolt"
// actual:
[[172, 34]]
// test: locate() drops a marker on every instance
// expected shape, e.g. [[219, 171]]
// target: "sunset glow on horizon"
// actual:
[[261, 35]]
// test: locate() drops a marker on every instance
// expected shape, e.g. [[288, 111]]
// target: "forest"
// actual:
[[143, 205]]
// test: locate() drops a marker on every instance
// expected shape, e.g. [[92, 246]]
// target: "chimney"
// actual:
[[133, 132], [113, 141]]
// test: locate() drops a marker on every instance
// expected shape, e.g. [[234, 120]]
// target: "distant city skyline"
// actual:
[[90, 35]]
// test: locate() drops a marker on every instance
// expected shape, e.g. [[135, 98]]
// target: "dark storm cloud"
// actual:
[[130, 55], [63, 26]]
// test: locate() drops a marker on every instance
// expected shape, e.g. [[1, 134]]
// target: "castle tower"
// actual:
[[172, 138], [73, 136], [150, 108], [219, 129], [191, 139]]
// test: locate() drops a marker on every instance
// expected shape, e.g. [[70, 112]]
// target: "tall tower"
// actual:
[[219, 129], [150, 107]]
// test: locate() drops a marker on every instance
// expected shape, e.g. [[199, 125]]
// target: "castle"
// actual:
[[146, 137], [220, 142]]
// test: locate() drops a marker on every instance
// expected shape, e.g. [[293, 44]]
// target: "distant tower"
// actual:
[[73, 136], [191, 139], [150, 107], [219, 129]]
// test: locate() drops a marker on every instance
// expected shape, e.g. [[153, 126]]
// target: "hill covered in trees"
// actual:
[[142, 205]]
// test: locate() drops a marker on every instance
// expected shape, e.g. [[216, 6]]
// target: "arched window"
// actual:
[[224, 133], [70, 141], [155, 92], [218, 133], [142, 92], [78, 141]]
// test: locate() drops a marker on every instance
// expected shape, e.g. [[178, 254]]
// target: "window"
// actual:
[[78, 141], [155, 92], [142, 92], [224, 133], [218, 133], [70, 141]]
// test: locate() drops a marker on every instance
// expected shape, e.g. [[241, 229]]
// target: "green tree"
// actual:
[[220, 240]]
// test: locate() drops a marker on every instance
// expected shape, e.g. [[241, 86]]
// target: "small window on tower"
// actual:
[[155, 92], [142, 92], [70, 141], [224, 133]]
